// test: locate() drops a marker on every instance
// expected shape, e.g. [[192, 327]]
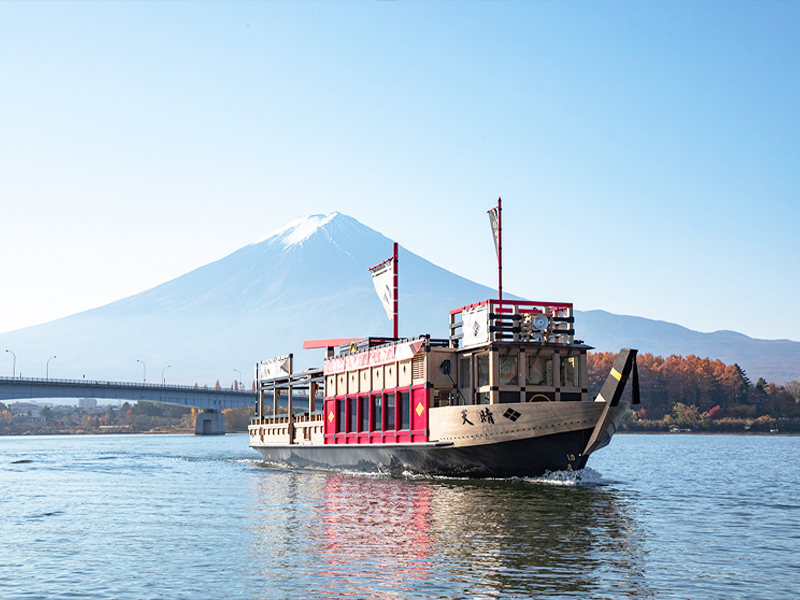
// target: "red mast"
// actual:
[[499, 250], [395, 290]]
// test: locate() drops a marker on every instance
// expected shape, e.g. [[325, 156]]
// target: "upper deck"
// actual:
[[378, 390], [518, 321]]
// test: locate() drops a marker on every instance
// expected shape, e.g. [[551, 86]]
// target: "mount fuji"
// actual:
[[309, 280]]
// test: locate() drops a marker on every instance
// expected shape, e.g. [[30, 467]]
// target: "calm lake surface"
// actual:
[[179, 516]]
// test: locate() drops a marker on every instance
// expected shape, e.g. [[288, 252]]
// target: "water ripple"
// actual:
[[186, 517]]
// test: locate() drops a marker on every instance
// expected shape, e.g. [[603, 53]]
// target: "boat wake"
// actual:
[[585, 476], [244, 461]]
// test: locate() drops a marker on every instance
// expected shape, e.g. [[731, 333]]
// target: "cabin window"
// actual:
[[509, 374], [375, 413], [363, 409], [441, 398], [508, 397], [388, 411], [464, 380], [483, 369], [465, 373], [342, 414], [540, 370], [570, 372], [352, 421], [403, 412]]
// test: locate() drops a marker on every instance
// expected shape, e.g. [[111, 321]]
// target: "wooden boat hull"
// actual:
[[529, 457]]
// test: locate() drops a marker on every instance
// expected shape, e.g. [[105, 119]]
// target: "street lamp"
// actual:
[[15, 364], [162, 373], [241, 383], [144, 366], [47, 371]]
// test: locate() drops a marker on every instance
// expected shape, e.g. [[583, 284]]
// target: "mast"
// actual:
[[395, 291], [499, 250]]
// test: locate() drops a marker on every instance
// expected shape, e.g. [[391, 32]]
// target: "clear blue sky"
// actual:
[[648, 153]]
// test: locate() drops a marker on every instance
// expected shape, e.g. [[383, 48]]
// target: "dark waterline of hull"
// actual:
[[530, 457]]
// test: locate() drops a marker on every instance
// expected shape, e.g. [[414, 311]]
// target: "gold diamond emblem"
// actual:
[[420, 409], [330, 416]]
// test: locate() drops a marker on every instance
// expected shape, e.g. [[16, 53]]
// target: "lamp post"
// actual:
[[162, 373], [14, 369], [47, 369], [144, 366], [240, 377]]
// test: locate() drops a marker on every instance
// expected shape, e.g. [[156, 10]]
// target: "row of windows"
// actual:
[[373, 413], [538, 370]]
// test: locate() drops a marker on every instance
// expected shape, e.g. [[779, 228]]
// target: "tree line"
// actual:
[[701, 393], [138, 417]]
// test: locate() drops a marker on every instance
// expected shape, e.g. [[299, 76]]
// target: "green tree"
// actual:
[[742, 375], [683, 415]]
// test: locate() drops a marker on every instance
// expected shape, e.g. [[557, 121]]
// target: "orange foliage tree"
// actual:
[[693, 381]]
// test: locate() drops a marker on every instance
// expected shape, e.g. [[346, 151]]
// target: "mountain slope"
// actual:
[[309, 280], [775, 360]]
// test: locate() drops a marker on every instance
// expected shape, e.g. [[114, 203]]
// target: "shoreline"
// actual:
[[185, 431]]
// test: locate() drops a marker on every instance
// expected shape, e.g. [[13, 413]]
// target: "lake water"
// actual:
[[179, 516]]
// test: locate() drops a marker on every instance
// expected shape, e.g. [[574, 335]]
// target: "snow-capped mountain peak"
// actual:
[[298, 230], [310, 280]]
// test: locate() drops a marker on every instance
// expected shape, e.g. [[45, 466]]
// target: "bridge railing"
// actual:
[[123, 384]]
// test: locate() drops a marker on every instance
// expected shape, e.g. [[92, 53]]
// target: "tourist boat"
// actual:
[[505, 395]]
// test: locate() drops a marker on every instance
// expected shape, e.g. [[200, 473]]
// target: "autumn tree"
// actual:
[[238, 418], [691, 381]]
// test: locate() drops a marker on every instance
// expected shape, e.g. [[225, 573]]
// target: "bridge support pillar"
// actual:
[[209, 422]]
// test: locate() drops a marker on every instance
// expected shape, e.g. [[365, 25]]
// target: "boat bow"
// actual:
[[611, 393]]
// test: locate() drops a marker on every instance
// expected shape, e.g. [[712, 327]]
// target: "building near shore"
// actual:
[[22, 408]]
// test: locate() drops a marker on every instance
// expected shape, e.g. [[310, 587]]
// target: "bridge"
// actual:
[[210, 400]]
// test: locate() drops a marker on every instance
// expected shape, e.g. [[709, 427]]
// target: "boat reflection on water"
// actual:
[[376, 535], [363, 537]]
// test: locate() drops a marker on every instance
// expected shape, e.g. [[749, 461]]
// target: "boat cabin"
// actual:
[[389, 390]]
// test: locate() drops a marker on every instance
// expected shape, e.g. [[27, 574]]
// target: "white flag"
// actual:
[[383, 280], [280, 366], [494, 220], [475, 326]]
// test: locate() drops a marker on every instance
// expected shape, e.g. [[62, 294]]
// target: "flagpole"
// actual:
[[499, 250], [395, 291]]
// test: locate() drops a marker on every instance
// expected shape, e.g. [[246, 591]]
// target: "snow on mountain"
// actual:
[[298, 230], [309, 280], [306, 280]]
